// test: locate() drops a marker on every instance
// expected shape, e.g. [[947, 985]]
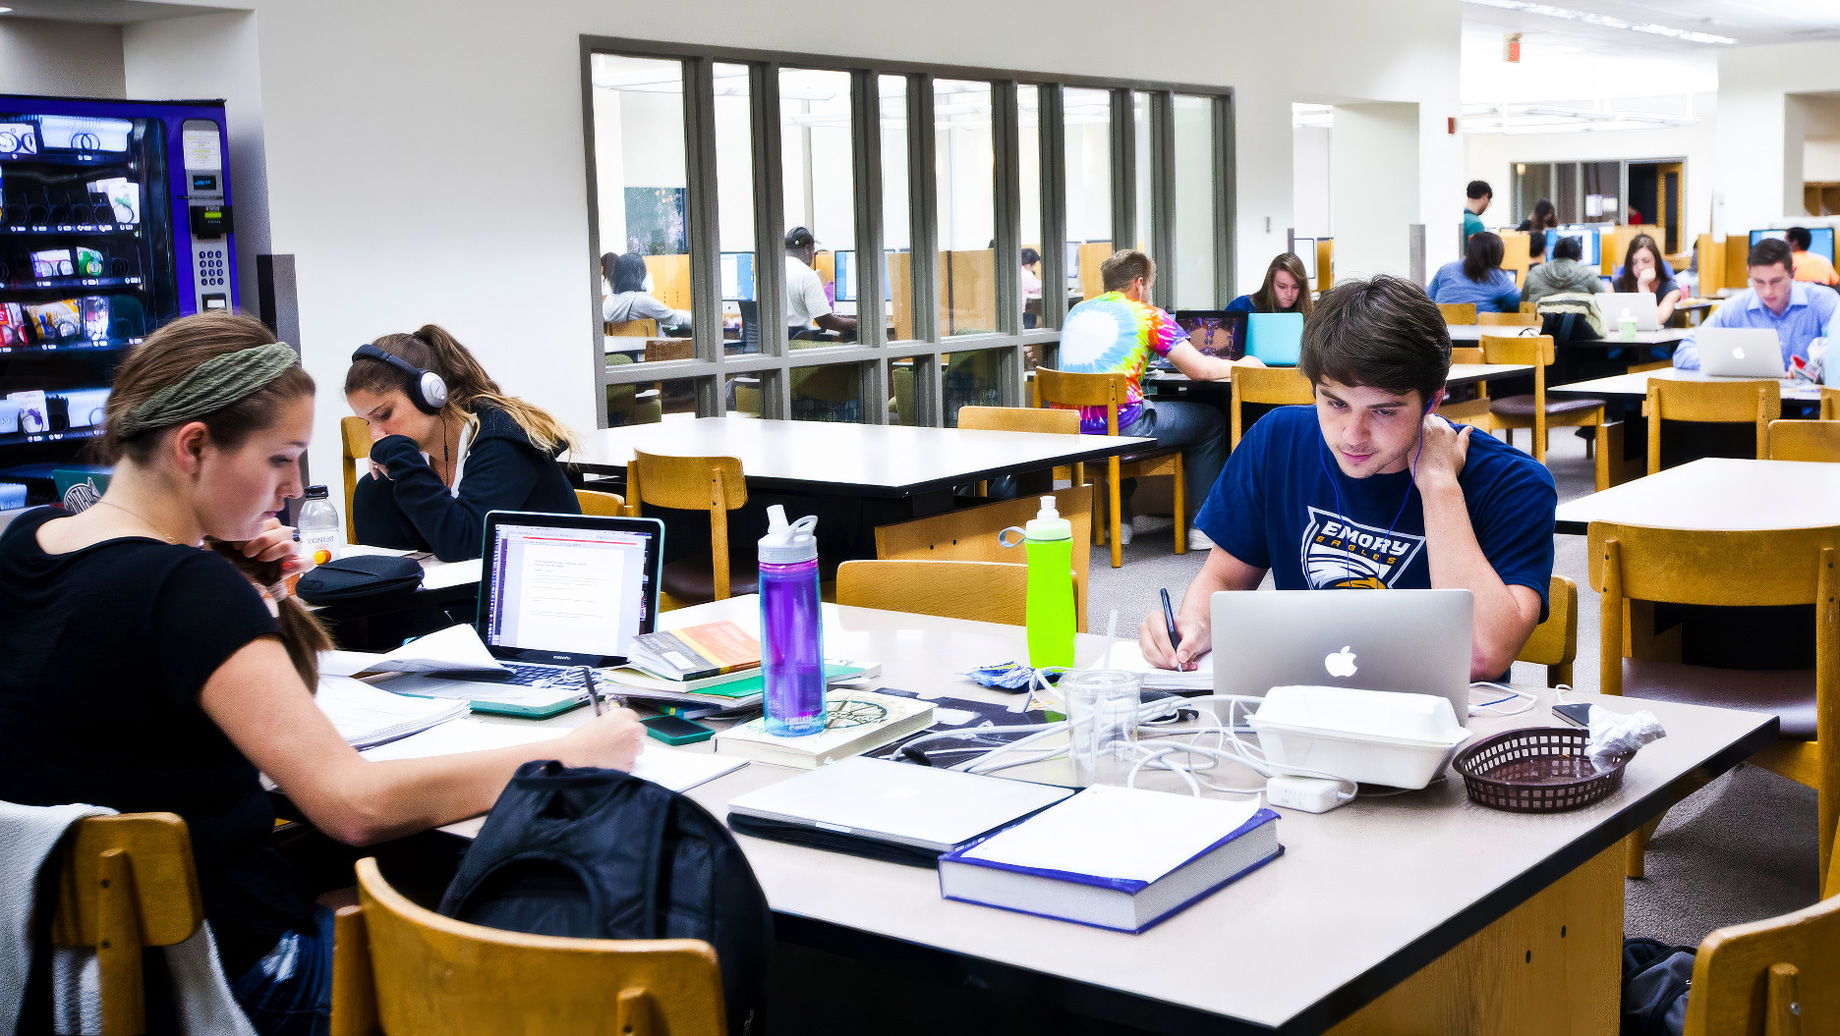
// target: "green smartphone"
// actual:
[[675, 730]]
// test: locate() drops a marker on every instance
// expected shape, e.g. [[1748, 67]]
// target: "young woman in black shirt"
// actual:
[[145, 673]]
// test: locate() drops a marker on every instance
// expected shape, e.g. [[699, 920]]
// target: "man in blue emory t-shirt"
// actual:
[[1370, 488]]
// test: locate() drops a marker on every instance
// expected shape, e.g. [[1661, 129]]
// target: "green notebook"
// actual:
[[541, 703]]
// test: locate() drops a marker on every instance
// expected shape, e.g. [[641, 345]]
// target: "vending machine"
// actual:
[[115, 218]]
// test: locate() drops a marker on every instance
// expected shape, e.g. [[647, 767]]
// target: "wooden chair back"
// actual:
[[1779, 977], [669, 349], [1458, 312], [645, 327], [982, 591], [970, 534], [1280, 386], [712, 484], [1729, 402], [1061, 388], [1554, 643], [1830, 403], [1111, 392], [355, 443], [127, 882], [1514, 319], [1805, 440], [1026, 419], [399, 968], [1536, 351], [1750, 569], [1467, 354], [593, 501]]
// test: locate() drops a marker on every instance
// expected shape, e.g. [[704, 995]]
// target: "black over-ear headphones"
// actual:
[[426, 389]]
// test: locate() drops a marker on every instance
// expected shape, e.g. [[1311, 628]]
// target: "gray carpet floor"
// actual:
[[1741, 849]]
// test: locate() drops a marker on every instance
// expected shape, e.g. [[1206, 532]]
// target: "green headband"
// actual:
[[216, 383]]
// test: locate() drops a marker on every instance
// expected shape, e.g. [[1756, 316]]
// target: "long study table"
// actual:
[[1716, 494]]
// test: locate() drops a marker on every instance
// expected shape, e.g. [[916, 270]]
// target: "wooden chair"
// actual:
[[399, 968], [1458, 312], [1830, 402], [627, 404], [982, 591], [1734, 569], [1514, 319], [1277, 386], [1728, 402], [1554, 643], [1805, 440], [127, 882], [1108, 391], [970, 534], [1026, 419], [669, 349], [1770, 976], [641, 328], [1537, 411], [1470, 411], [712, 484], [593, 501], [355, 436]]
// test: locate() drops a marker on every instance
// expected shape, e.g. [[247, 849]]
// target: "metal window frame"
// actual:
[[711, 367]]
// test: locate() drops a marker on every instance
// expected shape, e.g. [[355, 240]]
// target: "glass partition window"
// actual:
[[735, 209], [643, 201], [1034, 235], [818, 176], [966, 180], [1194, 203], [829, 393], [897, 305], [1088, 136], [1146, 170]]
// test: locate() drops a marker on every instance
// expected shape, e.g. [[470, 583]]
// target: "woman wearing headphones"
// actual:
[[446, 447]]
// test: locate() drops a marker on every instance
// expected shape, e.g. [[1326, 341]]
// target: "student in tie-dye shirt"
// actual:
[[1116, 333]]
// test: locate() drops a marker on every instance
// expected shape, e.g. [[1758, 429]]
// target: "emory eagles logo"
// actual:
[[1342, 555]]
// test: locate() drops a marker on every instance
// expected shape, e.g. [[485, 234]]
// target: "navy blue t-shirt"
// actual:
[[1276, 506]]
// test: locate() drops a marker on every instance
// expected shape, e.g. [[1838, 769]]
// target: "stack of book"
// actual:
[[712, 667]]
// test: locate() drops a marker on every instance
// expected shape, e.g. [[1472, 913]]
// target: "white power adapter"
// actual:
[[1309, 794]]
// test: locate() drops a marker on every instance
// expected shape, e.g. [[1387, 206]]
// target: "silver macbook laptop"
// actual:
[[1740, 352], [1640, 304], [1416, 641]]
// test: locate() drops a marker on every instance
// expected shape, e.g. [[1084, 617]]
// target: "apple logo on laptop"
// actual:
[[1340, 663], [1737, 352]]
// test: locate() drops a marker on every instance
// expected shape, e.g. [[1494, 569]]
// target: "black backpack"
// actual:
[[601, 854], [1655, 981]]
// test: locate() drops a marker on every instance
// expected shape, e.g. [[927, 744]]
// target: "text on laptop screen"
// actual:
[[574, 590]]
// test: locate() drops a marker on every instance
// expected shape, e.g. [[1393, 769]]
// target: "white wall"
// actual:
[[368, 108], [1760, 165], [1311, 213], [60, 59], [1373, 178]]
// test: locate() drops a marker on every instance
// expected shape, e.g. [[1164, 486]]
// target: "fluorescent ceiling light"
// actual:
[[6, 10], [1604, 21]]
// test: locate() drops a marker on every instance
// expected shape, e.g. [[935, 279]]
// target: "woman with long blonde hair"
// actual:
[[447, 446]]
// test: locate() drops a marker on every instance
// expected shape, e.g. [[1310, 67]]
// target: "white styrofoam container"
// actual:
[[1371, 737]]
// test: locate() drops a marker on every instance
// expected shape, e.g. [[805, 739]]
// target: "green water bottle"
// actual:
[[1048, 541]]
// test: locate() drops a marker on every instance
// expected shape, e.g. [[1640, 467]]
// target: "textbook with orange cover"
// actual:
[[695, 652]]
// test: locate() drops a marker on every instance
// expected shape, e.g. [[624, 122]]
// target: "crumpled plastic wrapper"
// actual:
[[1004, 676], [1615, 735]]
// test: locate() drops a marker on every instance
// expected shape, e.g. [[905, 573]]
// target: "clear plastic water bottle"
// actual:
[[791, 626], [1626, 326], [320, 530]]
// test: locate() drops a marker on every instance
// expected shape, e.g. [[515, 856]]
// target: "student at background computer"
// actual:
[[1797, 311], [806, 302], [624, 296], [1286, 289], [1031, 288], [1117, 333], [1477, 278], [447, 446], [1544, 218], [197, 669], [1562, 273], [1370, 488], [1644, 269], [1479, 196], [1810, 266]]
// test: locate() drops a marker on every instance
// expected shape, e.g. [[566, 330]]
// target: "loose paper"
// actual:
[[1118, 833]]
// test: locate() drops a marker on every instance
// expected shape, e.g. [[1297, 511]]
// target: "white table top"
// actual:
[[1663, 336], [1323, 929], [866, 459], [1637, 384], [1460, 374], [1717, 494]]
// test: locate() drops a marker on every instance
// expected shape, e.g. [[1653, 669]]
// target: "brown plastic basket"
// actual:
[[1536, 770]]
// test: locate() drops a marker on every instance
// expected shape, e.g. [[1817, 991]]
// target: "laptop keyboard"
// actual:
[[543, 676]]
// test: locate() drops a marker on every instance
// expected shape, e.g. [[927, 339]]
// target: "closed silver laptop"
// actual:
[[1740, 352], [1640, 304], [1416, 641]]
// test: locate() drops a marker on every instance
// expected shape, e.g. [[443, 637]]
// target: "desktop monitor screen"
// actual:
[[845, 273], [1822, 243], [737, 276], [1304, 248], [1587, 237], [1073, 260]]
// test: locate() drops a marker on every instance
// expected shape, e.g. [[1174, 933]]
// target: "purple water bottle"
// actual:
[[791, 625]]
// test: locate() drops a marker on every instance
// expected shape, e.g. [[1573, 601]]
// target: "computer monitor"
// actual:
[[1822, 243], [1073, 261], [1587, 236], [846, 277], [1304, 248], [737, 276]]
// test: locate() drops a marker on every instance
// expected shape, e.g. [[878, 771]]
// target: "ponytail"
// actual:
[[468, 384], [301, 633]]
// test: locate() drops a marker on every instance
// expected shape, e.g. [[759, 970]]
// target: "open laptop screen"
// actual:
[[566, 584]]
